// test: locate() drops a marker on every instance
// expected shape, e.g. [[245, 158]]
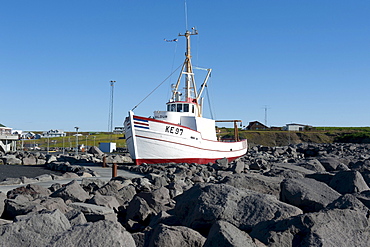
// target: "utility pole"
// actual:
[[110, 120]]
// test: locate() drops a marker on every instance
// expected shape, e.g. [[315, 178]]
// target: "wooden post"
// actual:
[[104, 161], [114, 170]]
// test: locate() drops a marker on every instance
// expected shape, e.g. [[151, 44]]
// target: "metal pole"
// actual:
[[104, 161], [110, 122], [77, 139], [114, 170], [63, 144], [86, 145]]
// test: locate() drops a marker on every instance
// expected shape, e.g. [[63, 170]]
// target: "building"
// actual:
[[53, 133], [255, 125], [30, 135], [8, 141], [119, 130], [296, 127]]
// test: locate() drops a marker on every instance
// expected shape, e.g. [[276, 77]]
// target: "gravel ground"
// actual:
[[16, 171]]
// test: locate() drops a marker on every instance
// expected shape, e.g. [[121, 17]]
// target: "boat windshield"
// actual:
[[179, 107]]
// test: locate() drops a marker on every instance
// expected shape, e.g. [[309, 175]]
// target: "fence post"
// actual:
[[114, 170], [104, 161]]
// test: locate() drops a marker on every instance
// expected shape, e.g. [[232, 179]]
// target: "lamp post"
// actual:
[[63, 143], [77, 139], [48, 144]]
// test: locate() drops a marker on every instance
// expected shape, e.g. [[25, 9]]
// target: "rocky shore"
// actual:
[[297, 195]]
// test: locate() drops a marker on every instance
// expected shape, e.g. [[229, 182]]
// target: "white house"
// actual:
[[8, 141], [53, 133], [296, 127]]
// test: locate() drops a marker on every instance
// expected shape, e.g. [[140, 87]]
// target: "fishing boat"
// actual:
[[180, 134]]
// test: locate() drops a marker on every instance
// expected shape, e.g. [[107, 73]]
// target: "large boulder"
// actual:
[[94, 212], [287, 170], [20, 206], [138, 210], [307, 194], [71, 191], [95, 150], [2, 202], [29, 160], [100, 234], [203, 205], [105, 201], [31, 191], [312, 164], [157, 199], [224, 234], [51, 203], [123, 193], [335, 227], [11, 160], [348, 182], [330, 163], [34, 229], [175, 236], [256, 182]]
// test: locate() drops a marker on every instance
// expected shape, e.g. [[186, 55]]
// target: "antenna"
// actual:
[[266, 107], [186, 16], [110, 119]]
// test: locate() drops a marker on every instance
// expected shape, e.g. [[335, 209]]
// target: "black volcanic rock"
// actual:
[[307, 194], [203, 205]]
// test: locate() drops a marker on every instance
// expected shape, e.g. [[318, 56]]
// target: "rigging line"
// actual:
[[173, 62], [209, 102], [156, 88]]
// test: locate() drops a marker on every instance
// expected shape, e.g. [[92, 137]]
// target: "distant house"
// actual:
[[119, 130], [255, 125], [296, 127], [30, 135], [53, 133]]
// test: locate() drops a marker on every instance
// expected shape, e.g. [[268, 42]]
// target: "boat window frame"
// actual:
[[179, 108]]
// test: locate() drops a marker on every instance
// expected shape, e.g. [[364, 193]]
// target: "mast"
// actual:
[[188, 69]]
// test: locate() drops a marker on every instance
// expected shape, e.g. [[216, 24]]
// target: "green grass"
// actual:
[[365, 129], [89, 139]]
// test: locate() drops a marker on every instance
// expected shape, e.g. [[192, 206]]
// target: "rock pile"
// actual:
[[302, 195], [71, 165]]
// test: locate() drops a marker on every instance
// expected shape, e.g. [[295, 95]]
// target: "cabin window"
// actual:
[[179, 107], [186, 107], [173, 107], [192, 109], [168, 108]]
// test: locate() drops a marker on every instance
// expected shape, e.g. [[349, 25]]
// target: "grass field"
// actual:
[[263, 137], [69, 141]]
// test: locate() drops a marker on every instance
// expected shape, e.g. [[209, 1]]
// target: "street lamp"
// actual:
[[77, 139], [86, 145]]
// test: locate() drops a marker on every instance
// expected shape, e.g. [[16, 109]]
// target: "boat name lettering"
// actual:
[[174, 130]]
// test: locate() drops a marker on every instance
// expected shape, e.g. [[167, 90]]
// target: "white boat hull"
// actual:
[[153, 141]]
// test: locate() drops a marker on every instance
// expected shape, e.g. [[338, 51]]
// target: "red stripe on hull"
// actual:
[[182, 160]]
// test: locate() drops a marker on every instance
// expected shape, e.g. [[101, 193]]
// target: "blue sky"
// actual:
[[306, 61]]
